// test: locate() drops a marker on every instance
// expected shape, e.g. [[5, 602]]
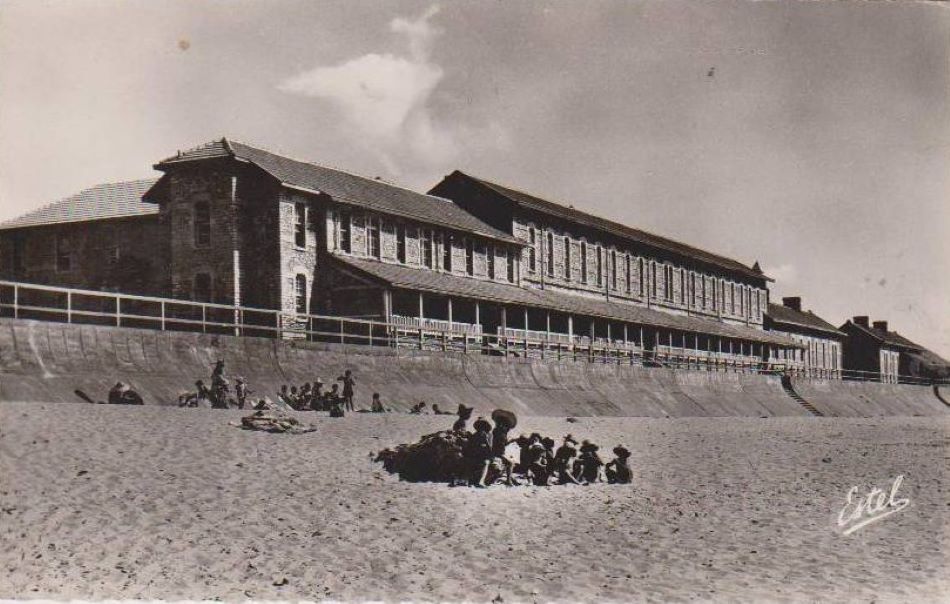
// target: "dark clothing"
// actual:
[[480, 446], [618, 472], [499, 440], [590, 464], [240, 390], [115, 395]]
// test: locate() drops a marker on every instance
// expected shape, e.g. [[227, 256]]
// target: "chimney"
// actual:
[[882, 325], [862, 321], [794, 303]]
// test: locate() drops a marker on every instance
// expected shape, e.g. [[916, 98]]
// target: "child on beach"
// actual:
[[617, 470]]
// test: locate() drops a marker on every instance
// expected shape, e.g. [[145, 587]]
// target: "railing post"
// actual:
[[445, 340], [421, 339], [163, 315], [69, 307], [204, 318], [342, 337], [370, 333], [118, 311], [16, 301]]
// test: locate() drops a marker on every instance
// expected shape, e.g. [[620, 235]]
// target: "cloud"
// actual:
[[385, 98], [783, 274]]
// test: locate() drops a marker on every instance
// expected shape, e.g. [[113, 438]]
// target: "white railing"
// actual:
[[414, 323]]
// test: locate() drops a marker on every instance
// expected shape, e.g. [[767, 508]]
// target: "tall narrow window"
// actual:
[[510, 259], [426, 242], [447, 241], [401, 243], [584, 262], [300, 294], [626, 272], [692, 289], [682, 286], [668, 283], [567, 258], [643, 277], [490, 261], [202, 223], [715, 295], [300, 224], [203, 287], [372, 237], [469, 257], [64, 252], [550, 254], [346, 232], [758, 304], [653, 290], [532, 251], [600, 266], [732, 298], [613, 269]]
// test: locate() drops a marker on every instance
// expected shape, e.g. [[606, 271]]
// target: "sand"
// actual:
[[150, 502]]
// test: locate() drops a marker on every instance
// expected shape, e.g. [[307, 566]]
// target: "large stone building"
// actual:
[[872, 349], [821, 352], [237, 225]]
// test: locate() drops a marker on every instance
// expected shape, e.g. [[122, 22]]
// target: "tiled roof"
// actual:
[[891, 338], [398, 275], [784, 315], [346, 188], [110, 200], [637, 236]]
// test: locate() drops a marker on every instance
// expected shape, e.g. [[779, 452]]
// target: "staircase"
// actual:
[[938, 395], [787, 386]]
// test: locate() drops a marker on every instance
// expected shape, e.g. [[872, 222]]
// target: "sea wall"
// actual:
[[42, 361]]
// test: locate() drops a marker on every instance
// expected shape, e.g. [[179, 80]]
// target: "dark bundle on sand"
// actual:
[[437, 457], [273, 422]]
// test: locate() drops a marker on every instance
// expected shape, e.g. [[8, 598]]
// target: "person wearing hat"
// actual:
[[588, 463], [499, 441], [464, 414], [241, 392], [617, 470], [563, 460], [479, 452], [317, 395], [535, 459]]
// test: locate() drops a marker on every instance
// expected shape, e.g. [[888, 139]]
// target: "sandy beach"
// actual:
[[148, 502]]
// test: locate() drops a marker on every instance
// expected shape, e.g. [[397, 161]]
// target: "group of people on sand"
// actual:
[[312, 397], [539, 462]]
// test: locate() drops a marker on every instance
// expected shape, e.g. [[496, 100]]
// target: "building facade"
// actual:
[[246, 227], [870, 348], [821, 354]]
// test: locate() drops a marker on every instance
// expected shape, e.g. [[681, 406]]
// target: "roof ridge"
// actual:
[[599, 217], [336, 169]]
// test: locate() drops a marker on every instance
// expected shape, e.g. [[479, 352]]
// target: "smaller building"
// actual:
[[821, 352], [873, 349]]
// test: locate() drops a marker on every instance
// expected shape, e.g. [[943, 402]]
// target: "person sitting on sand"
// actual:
[[115, 393], [536, 463], [377, 406], [202, 394], [479, 452], [419, 408], [306, 391], [437, 411], [563, 460], [464, 414], [499, 443], [617, 470], [589, 463], [284, 394], [317, 395]]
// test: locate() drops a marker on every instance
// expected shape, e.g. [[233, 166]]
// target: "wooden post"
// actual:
[[16, 301], [118, 311], [163, 315], [69, 307]]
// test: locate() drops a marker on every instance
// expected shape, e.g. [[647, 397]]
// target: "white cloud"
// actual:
[[385, 98], [784, 274]]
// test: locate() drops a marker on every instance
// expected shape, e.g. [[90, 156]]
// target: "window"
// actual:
[[203, 287], [667, 283], [583, 262], [715, 294], [346, 232], [510, 258], [567, 258], [732, 298], [490, 261], [469, 257], [758, 304], [532, 251], [64, 255], [653, 280], [447, 241], [682, 286], [613, 269], [643, 277], [401, 243], [372, 237], [550, 254], [692, 289], [600, 266], [627, 272], [703, 285], [202, 224], [300, 294], [426, 242], [300, 224]]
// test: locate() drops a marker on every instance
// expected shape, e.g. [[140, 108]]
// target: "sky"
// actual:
[[813, 137]]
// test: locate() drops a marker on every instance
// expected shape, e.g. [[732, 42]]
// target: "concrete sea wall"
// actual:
[[42, 361]]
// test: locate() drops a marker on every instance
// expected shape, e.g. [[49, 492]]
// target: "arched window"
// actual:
[[203, 287], [300, 294], [202, 224]]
